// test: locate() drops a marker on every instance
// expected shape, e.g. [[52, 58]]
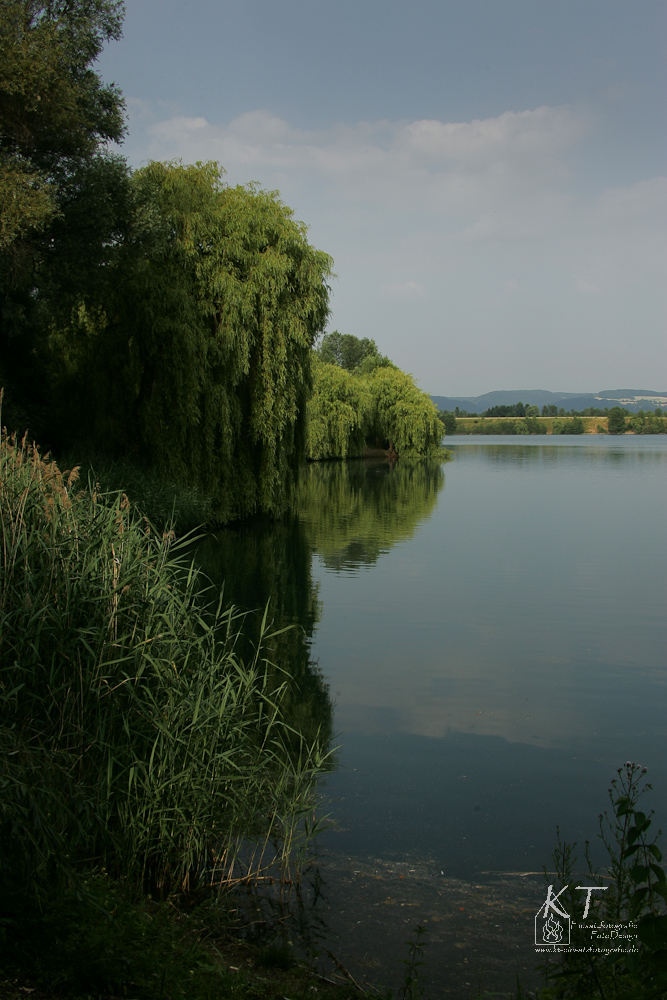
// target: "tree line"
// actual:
[[618, 418]]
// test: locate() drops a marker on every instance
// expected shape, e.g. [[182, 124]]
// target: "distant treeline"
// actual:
[[523, 410], [612, 421]]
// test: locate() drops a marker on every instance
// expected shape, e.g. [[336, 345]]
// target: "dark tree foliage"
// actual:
[[513, 410], [648, 423], [201, 364], [616, 420], [58, 188], [162, 316], [54, 110], [449, 421]]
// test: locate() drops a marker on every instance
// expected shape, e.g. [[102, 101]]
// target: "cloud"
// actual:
[[457, 207], [426, 144], [489, 179], [637, 201], [403, 289]]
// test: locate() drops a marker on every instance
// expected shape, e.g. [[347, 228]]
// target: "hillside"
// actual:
[[632, 399]]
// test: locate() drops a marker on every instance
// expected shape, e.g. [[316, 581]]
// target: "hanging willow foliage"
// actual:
[[203, 364], [381, 408], [336, 413], [402, 414]]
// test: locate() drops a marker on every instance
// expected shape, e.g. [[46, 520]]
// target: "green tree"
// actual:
[[337, 412], [56, 117], [202, 364], [381, 409], [401, 415], [449, 421], [345, 350], [616, 420], [55, 112]]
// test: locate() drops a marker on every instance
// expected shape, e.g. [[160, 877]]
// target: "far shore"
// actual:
[[592, 425]]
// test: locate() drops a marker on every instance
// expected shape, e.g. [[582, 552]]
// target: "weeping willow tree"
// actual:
[[381, 407], [401, 415], [201, 364], [336, 413]]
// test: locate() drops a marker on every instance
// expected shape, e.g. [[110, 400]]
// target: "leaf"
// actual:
[[623, 805], [639, 873], [659, 873], [652, 931]]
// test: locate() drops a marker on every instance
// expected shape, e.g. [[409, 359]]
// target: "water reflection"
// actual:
[[530, 605], [554, 451], [353, 512], [261, 561]]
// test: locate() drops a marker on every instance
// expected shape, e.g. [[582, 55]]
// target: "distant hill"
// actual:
[[632, 399]]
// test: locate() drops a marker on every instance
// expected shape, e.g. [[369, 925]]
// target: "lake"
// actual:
[[486, 640]]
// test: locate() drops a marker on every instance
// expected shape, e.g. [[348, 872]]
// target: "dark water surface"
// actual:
[[492, 635]]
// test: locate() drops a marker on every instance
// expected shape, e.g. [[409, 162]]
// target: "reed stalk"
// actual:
[[133, 738]]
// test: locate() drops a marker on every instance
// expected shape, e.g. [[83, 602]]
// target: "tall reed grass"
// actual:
[[133, 738], [153, 492]]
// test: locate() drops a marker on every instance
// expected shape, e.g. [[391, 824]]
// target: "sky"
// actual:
[[489, 176]]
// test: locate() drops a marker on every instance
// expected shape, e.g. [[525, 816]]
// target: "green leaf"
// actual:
[[639, 873], [658, 872], [652, 931]]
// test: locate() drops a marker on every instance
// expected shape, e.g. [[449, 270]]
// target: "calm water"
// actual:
[[492, 671], [486, 639]]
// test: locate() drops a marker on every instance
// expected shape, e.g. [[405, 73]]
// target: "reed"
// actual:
[[133, 738], [161, 498]]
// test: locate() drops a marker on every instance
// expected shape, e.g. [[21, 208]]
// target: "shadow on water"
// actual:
[[360, 895]]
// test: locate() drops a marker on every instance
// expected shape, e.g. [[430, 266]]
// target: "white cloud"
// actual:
[[457, 206], [403, 289], [448, 158]]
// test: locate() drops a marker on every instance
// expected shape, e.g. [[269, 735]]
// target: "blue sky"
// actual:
[[488, 175]]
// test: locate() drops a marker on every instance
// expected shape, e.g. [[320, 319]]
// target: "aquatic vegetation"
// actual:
[[133, 736]]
